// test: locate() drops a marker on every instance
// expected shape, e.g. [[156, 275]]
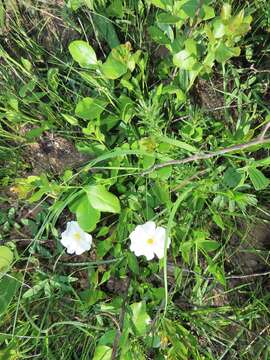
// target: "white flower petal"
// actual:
[[75, 239], [148, 240], [149, 227]]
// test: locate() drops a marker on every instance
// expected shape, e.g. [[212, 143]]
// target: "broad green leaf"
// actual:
[[166, 18], [107, 338], [101, 199], [116, 9], [91, 297], [184, 59], [224, 53], [87, 216], [102, 352], [158, 35], [191, 46], [208, 12], [258, 179], [6, 257], [90, 108], [190, 7], [207, 245], [119, 61], [140, 318], [8, 286], [113, 69], [218, 29], [232, 177], [106, 29], [82, 53]]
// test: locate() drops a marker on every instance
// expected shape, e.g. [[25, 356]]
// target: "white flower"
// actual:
[[149, 240], [75, 239]]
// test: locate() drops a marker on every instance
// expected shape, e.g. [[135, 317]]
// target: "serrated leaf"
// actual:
[[82, 53], [101, 199], [258, 179]]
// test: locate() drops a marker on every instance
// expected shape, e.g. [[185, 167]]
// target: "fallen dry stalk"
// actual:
[[203, 156]]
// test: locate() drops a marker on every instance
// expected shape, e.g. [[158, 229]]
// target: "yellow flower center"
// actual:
[[77, 236], [150, 241]]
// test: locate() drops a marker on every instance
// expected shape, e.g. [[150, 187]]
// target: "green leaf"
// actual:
[[87, 216], [70, 119], [82, 53], [158, 35], [217, 271], [8, 286], [90, 108], [226, 11], [184, 59], [106, 30], [185, 249], [218, 220], [6, 257], [159, 3], [218, 29], [232, 177], [119, 61], [258, 179], [26, 64], [224, 53], [133, 263], [116, 9], [208, 12], [101, 199], [103, 247], [53, 78], [177, 143], [190, 7], [140, 318], [207, 245], [165, 18], [102, 352], [113, 69]]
